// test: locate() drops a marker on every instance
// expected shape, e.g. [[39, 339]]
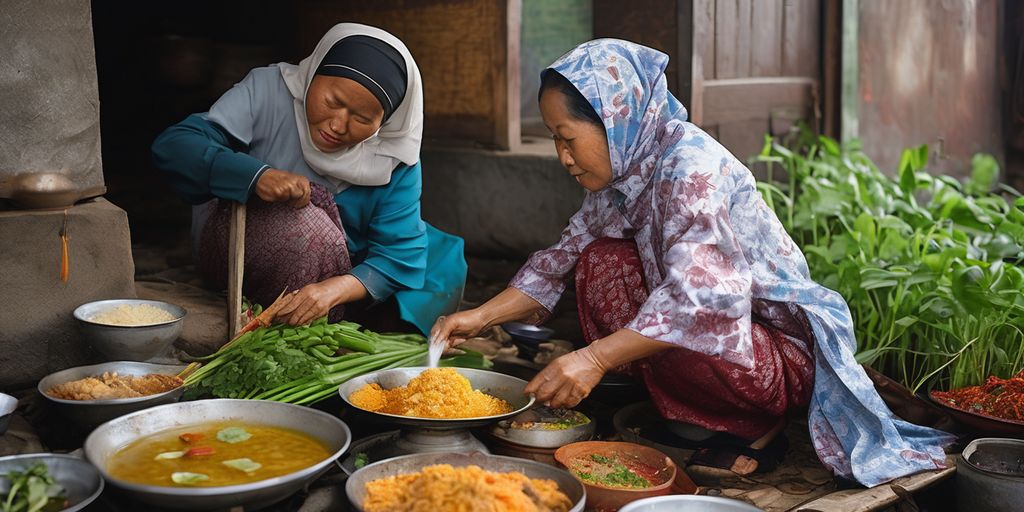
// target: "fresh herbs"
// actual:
[[362, 459], [33, 490], [609, 472], [302, 365], [928, 265]]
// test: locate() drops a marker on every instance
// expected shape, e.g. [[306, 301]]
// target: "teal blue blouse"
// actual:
[[222, 153]]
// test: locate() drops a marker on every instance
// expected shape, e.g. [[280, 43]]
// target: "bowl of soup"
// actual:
[[216, 454]]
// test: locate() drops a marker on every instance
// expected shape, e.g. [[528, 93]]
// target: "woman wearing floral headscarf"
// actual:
[[686, 277], [326, 155]]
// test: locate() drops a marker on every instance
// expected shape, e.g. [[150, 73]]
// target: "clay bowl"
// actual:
[[604, 498], [981, 423]]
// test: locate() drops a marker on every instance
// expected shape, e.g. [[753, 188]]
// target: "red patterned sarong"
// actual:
[[285, 247], [689, 386]]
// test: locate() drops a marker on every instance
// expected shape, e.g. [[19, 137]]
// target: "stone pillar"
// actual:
[[50, 112], [38, 335]]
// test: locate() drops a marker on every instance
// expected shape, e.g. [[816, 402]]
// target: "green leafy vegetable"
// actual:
[[302, 365], [33, 490], [930, 267], [362, 459], [187, 478], [233, 435], [243, 464], [169, 455]]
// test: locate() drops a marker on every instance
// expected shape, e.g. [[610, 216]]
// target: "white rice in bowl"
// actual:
[[133, 315]]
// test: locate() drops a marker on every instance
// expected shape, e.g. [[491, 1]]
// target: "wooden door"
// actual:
[[743, 68]]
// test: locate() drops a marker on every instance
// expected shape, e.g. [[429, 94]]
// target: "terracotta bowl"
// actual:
[[603, 498]]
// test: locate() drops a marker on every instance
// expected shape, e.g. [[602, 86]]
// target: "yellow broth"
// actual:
[[280, 451]]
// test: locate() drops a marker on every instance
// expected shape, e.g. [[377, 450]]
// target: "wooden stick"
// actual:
[[236, 266]]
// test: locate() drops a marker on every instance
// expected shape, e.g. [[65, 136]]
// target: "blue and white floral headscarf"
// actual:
[[714, 253]]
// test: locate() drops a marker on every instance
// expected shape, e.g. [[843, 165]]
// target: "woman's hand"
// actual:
[[277, 186], [567, 380], [457, 327], [316, 300]]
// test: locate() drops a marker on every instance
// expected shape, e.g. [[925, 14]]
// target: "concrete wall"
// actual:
[[49, 112], [503, 204], [38, 334]]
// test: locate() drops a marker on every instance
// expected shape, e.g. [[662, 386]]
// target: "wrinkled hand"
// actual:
[[307, 304], [277, 186], [458, 327], [567, 380]]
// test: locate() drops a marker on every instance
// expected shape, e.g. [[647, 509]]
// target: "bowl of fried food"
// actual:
[[130, 329], [92, 395]]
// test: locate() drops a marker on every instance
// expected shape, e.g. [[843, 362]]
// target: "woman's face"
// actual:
[[341, 113], [581, 145]]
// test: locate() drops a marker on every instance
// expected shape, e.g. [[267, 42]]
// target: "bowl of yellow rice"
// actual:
[[130, 329]]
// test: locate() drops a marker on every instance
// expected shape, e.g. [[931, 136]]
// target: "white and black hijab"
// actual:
[[380, 62]]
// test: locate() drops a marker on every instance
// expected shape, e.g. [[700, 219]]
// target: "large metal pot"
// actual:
[[990, 475], [106, 440]]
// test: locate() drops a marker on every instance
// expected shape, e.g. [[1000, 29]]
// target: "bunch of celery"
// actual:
[[306, 364]]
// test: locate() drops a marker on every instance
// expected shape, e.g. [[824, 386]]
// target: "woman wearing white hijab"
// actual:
[[326, 155]]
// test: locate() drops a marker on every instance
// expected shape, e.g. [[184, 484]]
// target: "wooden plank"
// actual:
[[881, 497], [848, 125], [685, 53], [743, 100], [903, 49], [236, 267], [831, 59], [633, 21], [726, 42], [766, 38], [744, 27], [703, 55], [808, 39], [507, 131]]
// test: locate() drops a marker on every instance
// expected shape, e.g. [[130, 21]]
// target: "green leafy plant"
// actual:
[[929, 265]]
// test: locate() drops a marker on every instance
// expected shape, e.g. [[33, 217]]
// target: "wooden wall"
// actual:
[[928, 73], [467, 51], [743, 68]]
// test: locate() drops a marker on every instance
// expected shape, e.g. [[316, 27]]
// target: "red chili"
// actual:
[[191, 438], [1001, 398], [200, 451]]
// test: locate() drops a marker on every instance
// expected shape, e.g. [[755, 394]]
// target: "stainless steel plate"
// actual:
[[355, 487], [91, 413], [505, 387], [80, 480]]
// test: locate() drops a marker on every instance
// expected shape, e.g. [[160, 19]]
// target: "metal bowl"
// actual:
[[91, 413], [982, 424], [7, 406], [684, 503], [133, 343], [110, 437], [540, 437], [355, 487], [80, 480], [499, 385]]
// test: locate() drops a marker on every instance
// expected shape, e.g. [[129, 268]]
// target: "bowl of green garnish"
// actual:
[[47, 482]]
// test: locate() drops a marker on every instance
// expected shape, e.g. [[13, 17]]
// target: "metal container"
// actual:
[[355, 487], [540, 437], [110, 437], [80, 480], [7, 406], [990, 475], [684, 503], [91, 413], [133, 343], [499, 385]]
